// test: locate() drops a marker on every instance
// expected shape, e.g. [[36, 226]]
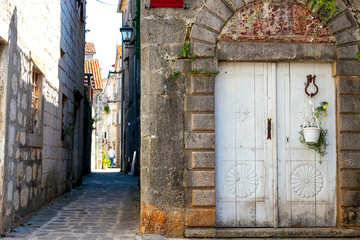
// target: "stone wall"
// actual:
[[177, 114], [46, 37]]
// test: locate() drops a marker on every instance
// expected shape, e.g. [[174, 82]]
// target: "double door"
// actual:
[[264, 176]]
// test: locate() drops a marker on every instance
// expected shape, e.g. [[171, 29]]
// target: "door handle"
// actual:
[[269, 128]]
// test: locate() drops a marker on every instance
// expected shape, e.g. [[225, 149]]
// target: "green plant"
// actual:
[[196, 71], [313, 118], [175, 74], [185, 51], [358, 56], [316, 115], [329, 7], [200, 71], [107, 109], [212, 73]]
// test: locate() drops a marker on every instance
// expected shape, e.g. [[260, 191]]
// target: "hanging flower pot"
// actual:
[[311, 135]]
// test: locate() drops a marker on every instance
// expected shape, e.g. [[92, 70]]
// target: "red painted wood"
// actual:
[[166, 3]]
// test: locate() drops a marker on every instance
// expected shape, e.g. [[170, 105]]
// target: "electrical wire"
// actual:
[[106, 3]]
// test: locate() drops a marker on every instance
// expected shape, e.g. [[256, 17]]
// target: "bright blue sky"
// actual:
[[104, 23]]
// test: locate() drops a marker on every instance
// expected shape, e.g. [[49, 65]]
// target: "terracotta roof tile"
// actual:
[[92, 66], [89, 47]]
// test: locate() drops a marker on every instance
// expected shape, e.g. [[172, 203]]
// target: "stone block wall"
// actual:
[[177, 115], [38, 167]]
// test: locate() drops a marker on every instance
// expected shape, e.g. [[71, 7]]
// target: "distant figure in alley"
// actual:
[[111, 154]]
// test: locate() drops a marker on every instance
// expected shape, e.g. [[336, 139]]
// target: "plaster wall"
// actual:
[[48, 36], [177, 114]]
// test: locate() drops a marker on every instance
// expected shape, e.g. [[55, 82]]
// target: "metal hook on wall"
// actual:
[[311, 79]]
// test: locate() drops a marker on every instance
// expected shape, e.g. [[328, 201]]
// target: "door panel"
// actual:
[[307, 190], [244, 196], [261, 182]]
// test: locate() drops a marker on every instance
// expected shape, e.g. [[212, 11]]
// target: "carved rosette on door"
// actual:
[[242, 181], [307, 181]]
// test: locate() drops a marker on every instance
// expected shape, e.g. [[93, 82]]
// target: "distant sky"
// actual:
[[104, 23]]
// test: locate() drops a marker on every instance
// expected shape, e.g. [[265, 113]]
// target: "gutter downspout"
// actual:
[[122, 94]]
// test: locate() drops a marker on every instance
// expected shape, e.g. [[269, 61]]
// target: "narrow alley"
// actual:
[[104, 207]]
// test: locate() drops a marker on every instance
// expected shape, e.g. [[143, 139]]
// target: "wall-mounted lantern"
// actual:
[[126, 34]]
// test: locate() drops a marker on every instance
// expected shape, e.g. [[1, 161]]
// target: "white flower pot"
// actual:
[[311, 134]]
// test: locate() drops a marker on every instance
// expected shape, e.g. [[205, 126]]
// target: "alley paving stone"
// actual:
[[105, 207]]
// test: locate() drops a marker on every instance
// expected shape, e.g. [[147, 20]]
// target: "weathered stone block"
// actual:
[[348, 51], [24, 197], [28, 175], [236, 4], [349, 159], [219, 8], [203, 34], [349, 122], [16, 200], [199, 103], [249, 1], [201, 179], [351, 35], [350, 178], [350, 197], [205, 64], [259, 51], [347, 85], [202, 84], [349, 104], [10, 190], [202, 122], [200, 217], [340, 23], [183, 65], [349, 141], [348, 67], [203, 160], [209, 20], [13, 110], [202, 198], [200, 140], [350, 216], [201, 49]]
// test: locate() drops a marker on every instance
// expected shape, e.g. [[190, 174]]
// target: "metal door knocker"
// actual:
[[311, 79]]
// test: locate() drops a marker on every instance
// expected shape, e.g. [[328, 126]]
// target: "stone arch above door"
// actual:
[[211, 43], [214, 18]]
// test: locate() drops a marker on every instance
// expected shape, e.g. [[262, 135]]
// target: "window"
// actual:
[[63, 115], [36, 107], [35, 102]]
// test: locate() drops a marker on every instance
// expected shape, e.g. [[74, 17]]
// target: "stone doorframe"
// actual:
[[209, 47]]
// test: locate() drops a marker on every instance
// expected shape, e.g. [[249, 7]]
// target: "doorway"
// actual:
[[264, 176]]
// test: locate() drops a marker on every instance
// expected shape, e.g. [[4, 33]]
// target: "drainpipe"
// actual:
[[135, 108], [122, 108]]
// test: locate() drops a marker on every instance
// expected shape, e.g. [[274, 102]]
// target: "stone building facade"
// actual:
[[130, 85], [180, 158], [42, 72]]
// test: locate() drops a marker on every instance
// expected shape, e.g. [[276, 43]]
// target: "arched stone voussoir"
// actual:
[[219, 8]]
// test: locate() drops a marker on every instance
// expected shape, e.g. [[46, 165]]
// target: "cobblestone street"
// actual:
[[104, 207]]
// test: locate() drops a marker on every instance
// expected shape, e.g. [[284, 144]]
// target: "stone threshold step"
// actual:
[[272, 233]]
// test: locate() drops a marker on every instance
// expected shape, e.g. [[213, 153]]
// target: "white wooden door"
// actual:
[[307, 181], [244, 100], [256, 171]]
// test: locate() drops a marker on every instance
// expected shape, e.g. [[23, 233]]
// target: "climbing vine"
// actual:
[[330, 8]]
